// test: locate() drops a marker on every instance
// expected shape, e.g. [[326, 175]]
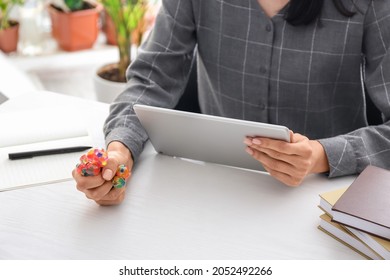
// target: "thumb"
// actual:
[[109, 170], [291, 136]]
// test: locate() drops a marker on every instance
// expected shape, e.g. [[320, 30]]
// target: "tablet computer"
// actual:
[[204, 137]]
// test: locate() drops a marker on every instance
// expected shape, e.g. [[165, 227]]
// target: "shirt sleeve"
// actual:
[[157, 76], [351, 153]]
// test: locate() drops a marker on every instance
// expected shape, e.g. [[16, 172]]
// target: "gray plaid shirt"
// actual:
[[307, 78]]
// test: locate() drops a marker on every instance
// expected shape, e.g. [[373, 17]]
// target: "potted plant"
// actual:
[[129, 21], [75, 23], [9, 29]]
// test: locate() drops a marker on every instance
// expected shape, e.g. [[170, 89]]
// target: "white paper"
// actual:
[[42, 169], [38, 130], [34, 126]]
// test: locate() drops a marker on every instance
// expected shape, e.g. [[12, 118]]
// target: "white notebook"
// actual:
[[41, 129]]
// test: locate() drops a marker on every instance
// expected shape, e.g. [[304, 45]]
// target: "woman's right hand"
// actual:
[[99, 188]]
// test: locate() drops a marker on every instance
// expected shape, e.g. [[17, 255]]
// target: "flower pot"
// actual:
[[106, 90], [76, 30], [109, 29], [9, 38]]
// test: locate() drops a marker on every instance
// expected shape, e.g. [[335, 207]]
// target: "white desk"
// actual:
[[174, 209]]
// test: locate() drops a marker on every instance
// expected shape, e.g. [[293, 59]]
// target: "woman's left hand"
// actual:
[[290, 162]]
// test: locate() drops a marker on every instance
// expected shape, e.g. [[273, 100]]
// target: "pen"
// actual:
[[30, 154]]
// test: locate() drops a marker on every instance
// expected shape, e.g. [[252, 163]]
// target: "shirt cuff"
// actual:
[[132, 141], [342, 155]]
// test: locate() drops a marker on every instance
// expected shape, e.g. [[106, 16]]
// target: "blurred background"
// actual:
[[49, 46]]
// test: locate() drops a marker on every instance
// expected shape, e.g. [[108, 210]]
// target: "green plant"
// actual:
[[70, 5], [127, 16], [74, 5], [5, 9]]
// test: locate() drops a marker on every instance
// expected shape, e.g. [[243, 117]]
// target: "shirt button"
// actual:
[[263, 70], [261, 106], [268, 28]]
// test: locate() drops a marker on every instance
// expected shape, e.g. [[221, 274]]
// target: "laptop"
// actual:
[[203, 137]]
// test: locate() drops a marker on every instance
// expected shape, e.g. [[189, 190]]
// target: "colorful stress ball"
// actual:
[[122, 173], [94, 160]]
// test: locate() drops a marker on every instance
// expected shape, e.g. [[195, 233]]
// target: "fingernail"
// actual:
[[249, 151], [107, 175], [247, 141], [256, 141]]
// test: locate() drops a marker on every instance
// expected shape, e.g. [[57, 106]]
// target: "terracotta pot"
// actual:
[[9, 38], [109, 29], [75, 30]]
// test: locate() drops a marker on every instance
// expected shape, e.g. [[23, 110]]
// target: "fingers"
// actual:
[[113, 197], [108, 172], [87, 182], [94, 187], [99, 192], [99, 189], [107, 187], [285, 172], [288, 180], [282, 162], [287, 162], [296, 147], [280, 149]]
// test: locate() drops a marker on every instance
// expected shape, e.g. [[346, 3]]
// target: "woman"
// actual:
[[296, 63]]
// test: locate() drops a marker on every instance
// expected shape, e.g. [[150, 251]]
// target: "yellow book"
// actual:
[[342, 235], [328, 199]]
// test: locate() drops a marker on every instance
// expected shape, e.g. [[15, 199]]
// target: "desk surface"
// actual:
[[174, 209]]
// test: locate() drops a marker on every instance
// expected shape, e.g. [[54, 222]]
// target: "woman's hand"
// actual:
[[99, 188], [291, 162]]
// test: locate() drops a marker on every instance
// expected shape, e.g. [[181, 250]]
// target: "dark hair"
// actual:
[[303, 12]]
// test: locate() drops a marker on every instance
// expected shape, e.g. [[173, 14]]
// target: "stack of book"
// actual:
[[359, 215]]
